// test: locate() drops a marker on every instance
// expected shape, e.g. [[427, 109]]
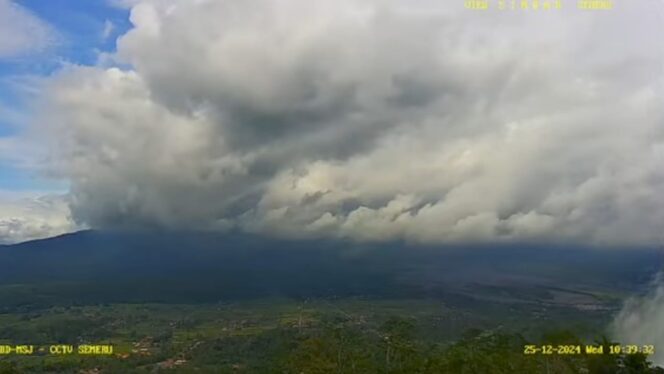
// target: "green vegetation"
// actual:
[[313, 336], [310, 306]]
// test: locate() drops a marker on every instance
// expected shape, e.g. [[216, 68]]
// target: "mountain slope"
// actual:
[[94, 266]]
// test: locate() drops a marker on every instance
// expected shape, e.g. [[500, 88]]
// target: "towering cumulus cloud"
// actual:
[[370, 120]]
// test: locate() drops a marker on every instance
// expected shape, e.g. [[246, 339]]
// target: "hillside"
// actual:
[[94, 266]]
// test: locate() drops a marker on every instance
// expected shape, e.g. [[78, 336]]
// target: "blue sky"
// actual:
[[78, 31]]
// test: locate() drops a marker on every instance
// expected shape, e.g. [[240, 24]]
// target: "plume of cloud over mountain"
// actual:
[[369, 120], [641, 321]]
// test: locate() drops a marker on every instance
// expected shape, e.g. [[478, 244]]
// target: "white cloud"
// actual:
[[25, 218], [108, 29], [21, 32], [641, 322], [371, 120]]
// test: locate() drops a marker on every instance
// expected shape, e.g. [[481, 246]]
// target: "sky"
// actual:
[[37, 39], [369, 120]]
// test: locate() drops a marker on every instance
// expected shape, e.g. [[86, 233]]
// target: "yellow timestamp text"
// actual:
[[536, 5], [595, 4], [513, 4], [575, 349]]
